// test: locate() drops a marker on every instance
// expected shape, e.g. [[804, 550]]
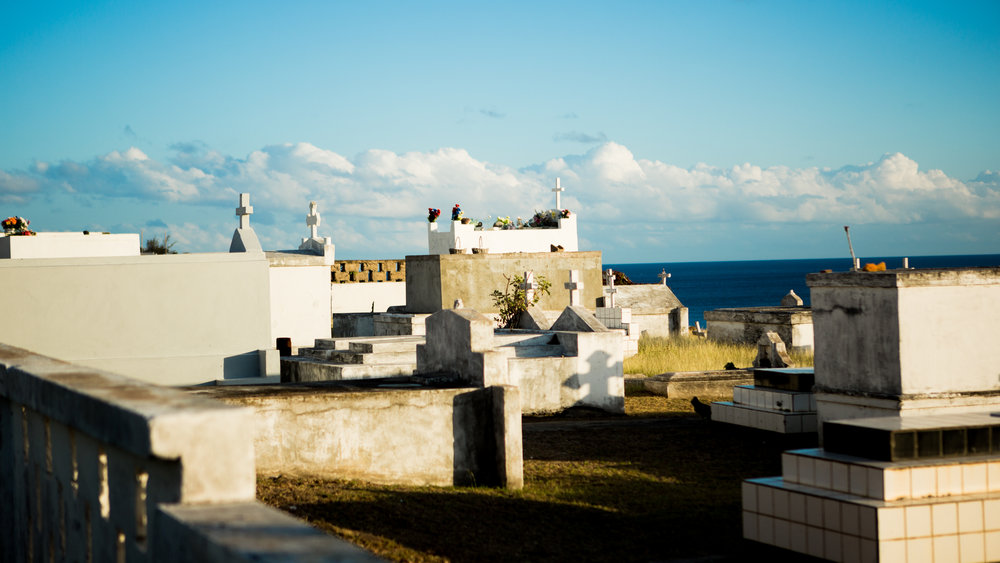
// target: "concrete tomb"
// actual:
[[910, 464], [68, 245], [792, 322], [771, 352], [780, 400]]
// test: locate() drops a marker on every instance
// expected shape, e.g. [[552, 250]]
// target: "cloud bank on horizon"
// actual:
[[633, 209]]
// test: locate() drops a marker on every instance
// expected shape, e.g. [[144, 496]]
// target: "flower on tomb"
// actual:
[[17, 226], [456, 213], [433, 214], [564, 213]]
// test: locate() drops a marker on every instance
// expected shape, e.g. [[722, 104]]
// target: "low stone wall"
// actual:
[[100, 467], [360, 271], [375, 432], [689, 384]]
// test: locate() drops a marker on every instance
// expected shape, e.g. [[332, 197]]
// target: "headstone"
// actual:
[[578, 319], [244, 238], [574, 285], [558, 191], [529, 286], [791, 300], [771, 352], [315, 243], [609, 276]]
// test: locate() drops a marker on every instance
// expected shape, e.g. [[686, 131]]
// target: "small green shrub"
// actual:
[[513, 301]]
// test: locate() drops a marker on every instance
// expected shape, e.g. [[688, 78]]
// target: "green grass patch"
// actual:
[[662, 355]]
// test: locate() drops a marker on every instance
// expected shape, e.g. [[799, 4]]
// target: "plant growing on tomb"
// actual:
[[158, 246], [17, 226], [513, 300]]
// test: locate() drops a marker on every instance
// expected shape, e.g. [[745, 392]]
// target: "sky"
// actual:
[[681, 130]]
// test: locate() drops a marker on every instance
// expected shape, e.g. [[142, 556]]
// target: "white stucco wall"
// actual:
[[362, 297], [172, 319], [300, 303], [69, 245], [500, 241]]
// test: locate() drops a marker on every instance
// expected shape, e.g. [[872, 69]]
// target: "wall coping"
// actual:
[[908, 278]]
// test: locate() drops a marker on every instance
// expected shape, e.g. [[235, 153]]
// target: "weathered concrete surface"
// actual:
[[100, 467], [906, 341], [434, 282], [688, 384], [242, 533], [746, 324], [383, 434]]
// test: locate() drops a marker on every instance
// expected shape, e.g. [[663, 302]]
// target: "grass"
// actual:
[[661, 355], [659, 483]]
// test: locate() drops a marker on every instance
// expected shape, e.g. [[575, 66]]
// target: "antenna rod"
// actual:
[[854, 261]]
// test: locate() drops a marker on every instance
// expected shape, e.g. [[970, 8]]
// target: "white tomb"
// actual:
[[69, 245], [466, 238]]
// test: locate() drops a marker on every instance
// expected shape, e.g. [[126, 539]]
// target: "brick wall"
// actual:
[[359, 271]]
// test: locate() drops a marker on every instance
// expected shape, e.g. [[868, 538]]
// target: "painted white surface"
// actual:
[[175, 319], [362, 297], [69, 245], [300, 303], [500, 241]]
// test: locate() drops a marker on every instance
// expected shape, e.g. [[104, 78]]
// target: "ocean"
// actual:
[[703, 286]]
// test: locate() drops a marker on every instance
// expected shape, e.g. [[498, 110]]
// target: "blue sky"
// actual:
[[681, 130]]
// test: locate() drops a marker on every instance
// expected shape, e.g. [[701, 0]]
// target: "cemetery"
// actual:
[[147, 401]]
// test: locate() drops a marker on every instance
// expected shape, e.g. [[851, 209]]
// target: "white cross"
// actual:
[[610, 274], [663, 275], [529, 287], [574, 285], [313, 220], [558, 190], [244, 211]]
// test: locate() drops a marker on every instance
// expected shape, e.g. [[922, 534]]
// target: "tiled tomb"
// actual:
[[844, 507], [780, 400]]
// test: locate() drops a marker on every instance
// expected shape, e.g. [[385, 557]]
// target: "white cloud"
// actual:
[[375, 202]]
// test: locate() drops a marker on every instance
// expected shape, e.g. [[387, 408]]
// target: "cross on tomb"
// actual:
[[244, 211], [610, 275], [663, 275], [313, 220], [529, 286], [558, 190], [574, 285]]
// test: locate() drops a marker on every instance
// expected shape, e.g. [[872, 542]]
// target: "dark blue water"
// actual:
[[705, 286]]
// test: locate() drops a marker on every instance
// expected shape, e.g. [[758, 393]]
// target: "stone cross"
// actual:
[[558, 190], [663, 275], [574, 285], [244, 211], [313, 220], [610, 274], [529, 287]]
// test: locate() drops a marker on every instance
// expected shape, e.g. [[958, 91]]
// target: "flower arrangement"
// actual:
[[433, 214], [564, 214], [545, 219], [14, 226], [456, 213], [504, 223]]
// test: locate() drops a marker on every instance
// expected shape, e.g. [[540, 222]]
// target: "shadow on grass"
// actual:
[[607, 492]]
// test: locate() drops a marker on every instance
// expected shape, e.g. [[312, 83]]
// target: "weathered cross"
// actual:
[[574, 285], [610, 275], [244, 211], [529, 286], [663, 275], [558, 190], [313, 220]]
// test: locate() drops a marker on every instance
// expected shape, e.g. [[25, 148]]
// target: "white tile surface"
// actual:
[[822, 469], [814, 541], [949, 480], [944, 519], [765, 529], [923, 482], [945, 548], [973, 478], [782, 537], [993, 546], [868, 522], [779, 498], [894, 551], [831, 545], [749, 525], [831, 515], [991, 514], [874, 478], [797, 507], [850, 548], [797, 537], [814, 511], [840, 477], [859, 481], [850, 519], [891, 524], [970, 516], [749, 496], [918, 521], [764, 505], [789, 468], [971, 547], [920, 550], [896, 484], [807, 475]]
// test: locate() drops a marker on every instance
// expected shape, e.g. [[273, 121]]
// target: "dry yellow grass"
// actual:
[[661, 355]]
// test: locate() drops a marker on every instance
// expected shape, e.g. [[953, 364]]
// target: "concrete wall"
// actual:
[[906, 341], [300, 298], [99, 467], [68, 245], [364, 297], [172, 319], [441, 437], [746, 324], [655, 308], [434, 282], [500, 241]]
